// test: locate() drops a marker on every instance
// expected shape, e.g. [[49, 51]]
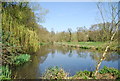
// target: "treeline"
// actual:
[[101, 32]]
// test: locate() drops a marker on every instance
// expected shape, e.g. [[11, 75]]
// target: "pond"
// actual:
[[70, 59]]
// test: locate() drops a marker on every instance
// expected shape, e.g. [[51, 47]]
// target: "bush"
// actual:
[[18, 60], [82, 75], [109, 70], [55, 73]]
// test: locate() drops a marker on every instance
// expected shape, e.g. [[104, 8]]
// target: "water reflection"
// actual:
[[71, 59]]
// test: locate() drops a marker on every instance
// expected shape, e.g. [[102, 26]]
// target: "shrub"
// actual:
[[55, 73], [82, 75], [109, 70], [18, 60]]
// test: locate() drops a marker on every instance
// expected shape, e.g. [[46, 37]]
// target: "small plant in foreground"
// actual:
[[82, 75], [55, 73], [18, 60], [112, 71], [109, 70]]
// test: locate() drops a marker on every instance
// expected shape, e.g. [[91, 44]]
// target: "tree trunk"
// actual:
[[105, 52]]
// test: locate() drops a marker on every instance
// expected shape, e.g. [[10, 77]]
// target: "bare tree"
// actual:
[[114, 14]]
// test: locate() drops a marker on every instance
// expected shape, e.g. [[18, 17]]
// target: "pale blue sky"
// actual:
[[64, 15]]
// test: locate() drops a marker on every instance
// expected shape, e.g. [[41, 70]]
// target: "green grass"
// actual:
[[5, 73], [86, 43], [91, 45]]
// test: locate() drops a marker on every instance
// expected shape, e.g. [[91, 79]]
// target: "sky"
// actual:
[[64, 15]]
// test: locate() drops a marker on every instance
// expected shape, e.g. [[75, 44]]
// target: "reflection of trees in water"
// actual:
[[70, 53], [95, 56], [42, 54], [112, 57], [53, 52], [63, 50], [59, 49], [29, 70], [81, 53], [109, 57]]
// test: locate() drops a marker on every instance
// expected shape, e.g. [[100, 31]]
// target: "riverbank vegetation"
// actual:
[[59, 73], [21, 34], [89, 45]]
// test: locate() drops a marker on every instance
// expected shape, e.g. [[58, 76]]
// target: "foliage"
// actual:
[[19, 30], [55, 73], [15, 30], [58, 73], [44, 43], [18, 60], [82, 74], [19, 34], [5, 72], [109, 70], [100, 32]]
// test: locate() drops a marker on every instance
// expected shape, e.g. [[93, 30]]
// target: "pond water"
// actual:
[[71, 60]]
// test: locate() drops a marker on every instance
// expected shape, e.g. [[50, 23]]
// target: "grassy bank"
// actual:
[[5, 73], [59, 73], [88, 45]]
